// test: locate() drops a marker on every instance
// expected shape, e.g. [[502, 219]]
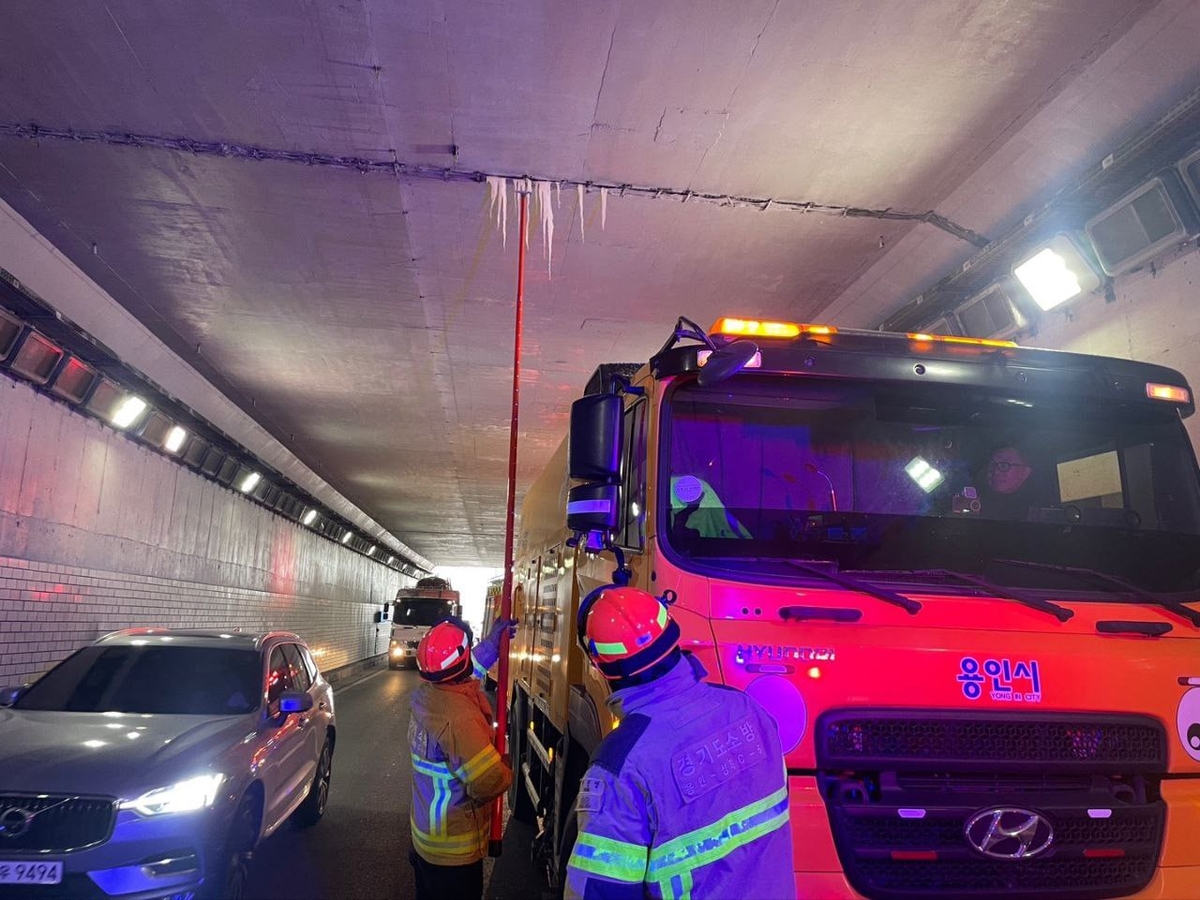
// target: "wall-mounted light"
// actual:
[[1143, 224], [992, 313], [128, 411], [310, 517], [346, 537], [36, 358], [371, 550], [1189, 168], [175, 438], [74, 379], [10, 330], [249, 481], [1055, 272]]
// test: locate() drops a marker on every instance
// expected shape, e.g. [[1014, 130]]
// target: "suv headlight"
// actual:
[[185, 796]]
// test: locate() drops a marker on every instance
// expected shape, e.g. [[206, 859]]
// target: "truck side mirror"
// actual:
[[594, 507], [594, 445]]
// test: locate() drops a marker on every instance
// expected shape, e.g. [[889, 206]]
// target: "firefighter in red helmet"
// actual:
[[688, 797], [457, 772]]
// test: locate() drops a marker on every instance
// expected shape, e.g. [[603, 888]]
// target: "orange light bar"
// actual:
[[756, 328], [951, 339], [1168, 392]]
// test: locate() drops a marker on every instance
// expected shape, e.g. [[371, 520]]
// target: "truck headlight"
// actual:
[[184, 796]]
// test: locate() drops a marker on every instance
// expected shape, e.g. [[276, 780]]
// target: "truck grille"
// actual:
[[931, 739], [54, 823], [902, 786]]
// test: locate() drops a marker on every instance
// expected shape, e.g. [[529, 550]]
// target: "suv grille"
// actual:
[[54, 823], [901, 786]]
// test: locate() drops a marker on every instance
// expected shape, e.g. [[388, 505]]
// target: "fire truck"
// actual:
[[416, 608], [982, 690]]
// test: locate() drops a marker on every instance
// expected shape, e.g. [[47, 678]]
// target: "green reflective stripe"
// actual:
[[707, 845], [480, 671], [662, 616], [615, 860], [609, 648], [437, 769]]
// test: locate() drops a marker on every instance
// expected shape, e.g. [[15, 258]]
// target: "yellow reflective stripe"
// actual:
[[612, 859], [706, 845], [608, 649], [479, 763], [444, 843]]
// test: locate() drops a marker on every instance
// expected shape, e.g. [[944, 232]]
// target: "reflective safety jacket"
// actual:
[[457, 773], [686, 798]]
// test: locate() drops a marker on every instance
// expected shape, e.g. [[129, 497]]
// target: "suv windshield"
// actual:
[[180, 680], [422, 612], [875, 478]]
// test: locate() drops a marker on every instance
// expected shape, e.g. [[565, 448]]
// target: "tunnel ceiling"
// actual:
[[365, 318]]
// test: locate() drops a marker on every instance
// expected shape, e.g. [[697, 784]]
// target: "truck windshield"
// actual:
[[422, 612], [886, 478]]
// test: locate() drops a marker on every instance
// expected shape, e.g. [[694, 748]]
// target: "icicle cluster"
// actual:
[[540, 193]]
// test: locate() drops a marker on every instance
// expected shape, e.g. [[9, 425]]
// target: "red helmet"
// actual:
[[625, 630], [444, 653]]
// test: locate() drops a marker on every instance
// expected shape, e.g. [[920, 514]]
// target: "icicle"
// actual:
[[498, 204], [579, 196], [603, 207], [546, 215]]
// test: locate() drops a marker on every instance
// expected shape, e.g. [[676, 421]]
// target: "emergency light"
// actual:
[[1168, 392], [757, 328]]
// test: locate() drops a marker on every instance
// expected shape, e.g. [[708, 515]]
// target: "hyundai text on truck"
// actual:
[[976, 699]]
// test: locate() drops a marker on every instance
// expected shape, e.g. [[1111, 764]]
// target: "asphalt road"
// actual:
[[359, 850]]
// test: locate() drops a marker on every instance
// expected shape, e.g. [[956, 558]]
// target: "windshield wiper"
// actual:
[[1047, 606], [1113, 581], [906, 603]]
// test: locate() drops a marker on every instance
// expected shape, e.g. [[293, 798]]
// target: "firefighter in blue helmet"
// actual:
[[687, 798]]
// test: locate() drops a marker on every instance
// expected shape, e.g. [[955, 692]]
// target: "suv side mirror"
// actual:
[[10, 695]]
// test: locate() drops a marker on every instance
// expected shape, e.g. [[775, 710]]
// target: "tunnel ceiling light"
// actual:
[[346, 537], [175, 438], [1056, 272], [1143, 224], [249, 482], [310, 517], [128, 410], [371, 550]]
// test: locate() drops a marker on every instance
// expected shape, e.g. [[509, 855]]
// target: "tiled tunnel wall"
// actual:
[[98, 532]]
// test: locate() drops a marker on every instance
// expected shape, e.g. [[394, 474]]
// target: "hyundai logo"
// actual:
[[1009, 833], [15, 822]]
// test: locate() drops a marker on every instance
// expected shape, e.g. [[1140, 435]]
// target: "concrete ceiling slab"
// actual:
[[365, 319]]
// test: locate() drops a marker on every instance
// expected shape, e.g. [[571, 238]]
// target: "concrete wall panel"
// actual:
[[99, 532]]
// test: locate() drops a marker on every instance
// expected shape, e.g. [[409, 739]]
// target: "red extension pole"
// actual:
[[509, 529]]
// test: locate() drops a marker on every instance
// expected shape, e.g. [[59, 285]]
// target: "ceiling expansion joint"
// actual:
[[399, 169]]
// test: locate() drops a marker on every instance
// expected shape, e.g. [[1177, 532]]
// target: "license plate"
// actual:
[[30, 872]]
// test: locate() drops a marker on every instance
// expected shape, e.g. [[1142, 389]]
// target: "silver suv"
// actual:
[[151, 763]]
